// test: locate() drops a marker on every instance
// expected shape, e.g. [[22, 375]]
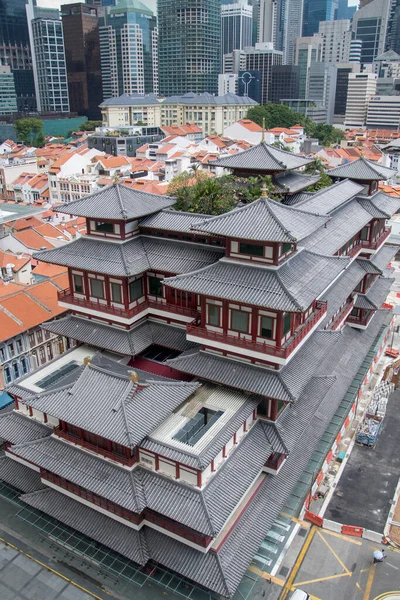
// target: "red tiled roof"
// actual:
[[32, 239], [48, 270]]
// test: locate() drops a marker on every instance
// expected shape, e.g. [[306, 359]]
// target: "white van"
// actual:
[[299, 595]]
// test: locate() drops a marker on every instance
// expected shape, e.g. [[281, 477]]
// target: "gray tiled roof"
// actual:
[[172, 220], [362, 301], [292, 182], [294, 199], [207, 98], [384, 256], [16, 428], [263, 220], [132, 257], [337, 295], [110, 405], [117, 340], [379, 290], [380, 206], [292, 287], [131, 100], [344, 224], [368, 266], [262, 158], [325, 201], [19, 476], [117, 202], [362, 169], [102, 529]]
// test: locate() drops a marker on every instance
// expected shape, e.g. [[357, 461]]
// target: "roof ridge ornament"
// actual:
[[264, 191]]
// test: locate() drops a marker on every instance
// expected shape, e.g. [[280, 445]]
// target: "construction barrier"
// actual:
[[352, 531], [349, 530]]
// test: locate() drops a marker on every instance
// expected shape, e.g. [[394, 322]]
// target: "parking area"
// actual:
[[364, 492]]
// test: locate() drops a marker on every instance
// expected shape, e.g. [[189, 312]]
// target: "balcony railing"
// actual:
[[362, 320], [342, 315], [374, 245], [97, 449], [277, 351], [68, 297]]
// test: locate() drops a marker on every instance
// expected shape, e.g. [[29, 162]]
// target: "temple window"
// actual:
[[78, 284], [267, 327], [213, 314], [240, 321], [96, 288], [155, 287], [252, 249], [364, 233], [286, 248], [286, 323], [116, 293], [105, 227], [136, 289]]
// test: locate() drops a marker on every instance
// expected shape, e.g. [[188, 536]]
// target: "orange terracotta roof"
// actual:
[[32, 239], [250, 125], [7, 289], [48, 230], [143, 148], [48, 270], [390, 190], [114, 161], [26, 223], [104, 181], [165, 149], [289, 140], [7, 258]]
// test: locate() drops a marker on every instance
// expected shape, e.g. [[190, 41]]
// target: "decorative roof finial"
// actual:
[[362, 153], [87, 361], [264, 190], [133, 376], [115, 179], [263, 131]]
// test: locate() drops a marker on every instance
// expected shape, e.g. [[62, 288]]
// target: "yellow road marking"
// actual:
[[334, 553], [370, 580], [342, 537], [297, 564], [364, 570], [52, 570], [266, 575], [322, 579], [387, 595], [359, 586], [314, 597]]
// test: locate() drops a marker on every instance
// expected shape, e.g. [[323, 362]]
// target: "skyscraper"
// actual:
[[81, 39], [370, 25], [316, 11], [336, 40], [236, 26], [308, 51], [15, 51], [290, 19], [189, 45], [127, 42], [8, 96], [267, 25], [262, 58]]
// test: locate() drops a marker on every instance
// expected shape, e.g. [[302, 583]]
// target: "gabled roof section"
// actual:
[[293, 182], [172, 220], [330, 198], [362, 169], [383, 257], [292, 287], [263, 157], [117, 202], [380, 205], [263, 220]]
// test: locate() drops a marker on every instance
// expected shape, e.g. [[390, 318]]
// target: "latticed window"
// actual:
[[240, 321]]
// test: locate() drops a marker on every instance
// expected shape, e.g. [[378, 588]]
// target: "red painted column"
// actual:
[[125, 291], [177, 471], [203, 311], [254, 324], [87, 288], [199, 479], [274, 409], [107, 289], [70, 281], [279, 329], [225, 315]]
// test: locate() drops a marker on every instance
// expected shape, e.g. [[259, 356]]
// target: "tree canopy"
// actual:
[[30, 131], [280, 115], [90, 125]]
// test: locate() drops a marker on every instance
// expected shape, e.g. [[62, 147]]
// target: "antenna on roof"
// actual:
[[263, 131]]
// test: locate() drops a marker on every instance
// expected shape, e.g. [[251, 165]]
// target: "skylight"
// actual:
[[197, 426]]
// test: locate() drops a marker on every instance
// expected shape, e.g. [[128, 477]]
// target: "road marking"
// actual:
[[387, 595], [364, 570], [359, 587], [342, 537], [393, 567], [305, 524], [297, 564], [52, 570], [322, 579], [266, 575], [334, 554], [370, 581]]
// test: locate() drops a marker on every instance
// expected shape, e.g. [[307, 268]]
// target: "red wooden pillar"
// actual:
[[107, 289], [225, 315], [203, 311], [70, 281], [125, 291], [254, 324], [87, 288], [279, 329], [274, 409]]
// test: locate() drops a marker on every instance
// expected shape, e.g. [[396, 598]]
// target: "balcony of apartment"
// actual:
[[368, 245], [278, 354], [360, 318], [127, 314]]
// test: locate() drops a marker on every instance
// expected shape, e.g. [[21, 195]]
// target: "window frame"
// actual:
[[153, 280], [81, 285], [133, 283], [114, 286], [96, 282], [239, 312], [249, 246], [284, 322], [210, 307], [104, 227], [273, 321]]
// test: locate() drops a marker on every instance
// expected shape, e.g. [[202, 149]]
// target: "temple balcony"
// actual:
[[360, 318], [261, 350], [340, 318], [101, 308], [373, 246], [274, 463]]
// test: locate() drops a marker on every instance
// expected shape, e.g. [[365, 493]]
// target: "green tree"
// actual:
[[317, 167], [90, 125], [328, 135], [30, 131]]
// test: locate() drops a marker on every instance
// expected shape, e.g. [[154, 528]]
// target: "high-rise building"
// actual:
[[227, 83], [344, 11], [393, 29], [383, 112], [234, 61], [236, 26], [8, 96], [342, 85], [308, 51], [361, 88], [321, 87], [336, 40], [128, 39], [189, 46], [289, 28], [316, 11], [267, 24], [387, 67], [82, 54], [48, 58], [15, 51], [370, 25], [284, 82], [262, 58]]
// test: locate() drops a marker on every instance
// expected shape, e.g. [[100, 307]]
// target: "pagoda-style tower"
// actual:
[[165, 435]]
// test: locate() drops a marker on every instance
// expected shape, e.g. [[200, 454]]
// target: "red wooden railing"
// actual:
[[281, 352], [378, 242], [69, 298], [97, 449], [343, 313], [364, 320]]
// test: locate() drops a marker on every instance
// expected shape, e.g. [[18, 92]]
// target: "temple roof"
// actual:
[[262, 158], [330, 198], [292, 287], [172, 220], [292, 182], [380, 206], [116, 202], [341, 289], [131, 257], [16, 428], [122, 341], [362, 301], [379, 290], [362, 169], [111, 405], [263, 220], [19, 476], [384, 256]]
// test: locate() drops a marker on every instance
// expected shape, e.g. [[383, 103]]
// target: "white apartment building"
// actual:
[[336, 40], [68, 176], [362, 87], [227, 83], [383, 112]]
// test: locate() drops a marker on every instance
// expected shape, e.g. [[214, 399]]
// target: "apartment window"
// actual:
[[2, 354], [39, 336], [7, 374], [42, 355], [24, 366], [116, 292], [136, 289], [239, 321], [16, 370], [267, 327], [155, 287], [19, 346], [78, 284], [49, 352], [11, 349], [251, 249], [96, 288], [105, 227], [286, 323], [213, 314], [47, 335]]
